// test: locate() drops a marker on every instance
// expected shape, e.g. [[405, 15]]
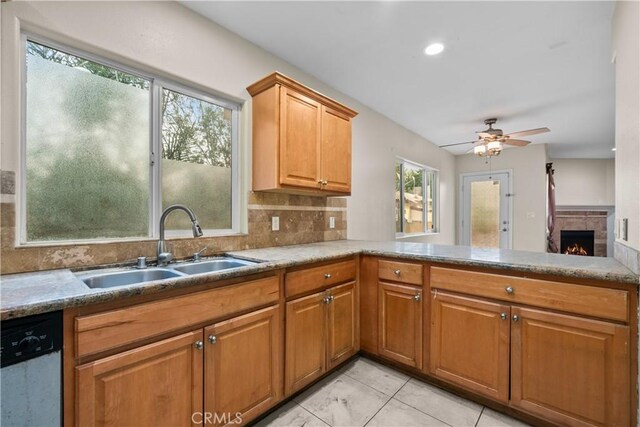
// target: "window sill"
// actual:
[[67, 243], [400, 236]]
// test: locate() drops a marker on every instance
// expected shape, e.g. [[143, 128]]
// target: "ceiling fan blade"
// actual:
[[528, 132], [459, 143], [516, 142]]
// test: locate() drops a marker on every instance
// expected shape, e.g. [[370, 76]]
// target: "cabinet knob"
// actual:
[[213, 339], [326, 300], [418, 296], [198, 345], [503, 316], [515, 318], [509, 289], [396, 272], [327, 276]]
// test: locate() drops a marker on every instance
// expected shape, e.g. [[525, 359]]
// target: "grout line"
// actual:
[[387, 402], [479, 416], [313, 415], [418, 409]]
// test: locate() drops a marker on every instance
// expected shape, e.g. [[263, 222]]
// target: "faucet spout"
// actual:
[[164, 256]]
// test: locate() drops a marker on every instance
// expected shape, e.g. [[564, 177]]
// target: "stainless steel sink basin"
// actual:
[[212, 265], [123, 278]]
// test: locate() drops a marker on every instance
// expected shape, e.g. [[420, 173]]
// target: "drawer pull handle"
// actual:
[[516, 318], [198, 345], [213, 339], [503, 316], [396, 272], [509, 289], [327, 276], [418, 296]]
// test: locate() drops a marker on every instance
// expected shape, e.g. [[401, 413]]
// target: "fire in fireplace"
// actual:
[[577, 242]]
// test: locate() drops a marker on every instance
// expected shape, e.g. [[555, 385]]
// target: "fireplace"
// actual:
[[577, 242]]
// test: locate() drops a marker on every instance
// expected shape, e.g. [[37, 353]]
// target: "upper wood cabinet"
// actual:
[[301, 139]]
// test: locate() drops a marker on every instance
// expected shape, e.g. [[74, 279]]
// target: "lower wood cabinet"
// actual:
[[160, 384], [400, 323], [570, 370], [567, 369], [242, 365], [320, 334], [227, 375], [470, 343]]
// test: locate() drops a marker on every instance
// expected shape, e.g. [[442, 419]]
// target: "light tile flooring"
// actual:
[[367, 393]]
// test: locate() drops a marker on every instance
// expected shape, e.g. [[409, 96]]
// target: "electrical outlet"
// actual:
[[332, 222], [275, 223]]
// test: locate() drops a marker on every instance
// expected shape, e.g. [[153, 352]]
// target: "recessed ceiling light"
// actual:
[[434, 49], [613, 149]]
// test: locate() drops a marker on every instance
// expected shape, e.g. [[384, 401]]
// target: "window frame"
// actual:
[[156, 85], [434, 188]]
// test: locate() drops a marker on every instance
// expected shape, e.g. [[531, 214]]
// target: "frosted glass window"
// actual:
[[87, 149], [485, 214], [196, 160]]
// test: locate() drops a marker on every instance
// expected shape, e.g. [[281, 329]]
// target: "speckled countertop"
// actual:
[[32, 293]]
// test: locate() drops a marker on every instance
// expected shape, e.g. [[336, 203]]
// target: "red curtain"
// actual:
[[552, 247]]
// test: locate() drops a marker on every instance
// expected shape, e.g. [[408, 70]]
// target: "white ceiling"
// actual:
[[530, 64]]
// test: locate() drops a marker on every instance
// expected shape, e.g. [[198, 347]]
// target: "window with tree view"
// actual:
[[90, 151], [416, 192]]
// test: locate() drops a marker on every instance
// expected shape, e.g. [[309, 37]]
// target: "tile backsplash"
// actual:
[[303, 219]]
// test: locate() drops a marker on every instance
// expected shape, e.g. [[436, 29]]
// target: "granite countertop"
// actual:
[[32, 293]]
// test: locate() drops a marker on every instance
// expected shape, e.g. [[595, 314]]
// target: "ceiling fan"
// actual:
[[490, 141]]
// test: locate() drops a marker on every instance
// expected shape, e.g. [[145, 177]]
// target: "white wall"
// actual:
[[626, 47], [170, 40], [529, 186], [584, 182]]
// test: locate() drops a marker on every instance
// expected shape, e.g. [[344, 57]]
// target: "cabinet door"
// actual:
[[300, 132], [470, 343], [570, 370], [243, 366], [342, 327], [335, 165], [159, 384], [400, 323], [305, 343]]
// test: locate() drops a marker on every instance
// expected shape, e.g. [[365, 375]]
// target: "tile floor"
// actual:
[[367, 393]]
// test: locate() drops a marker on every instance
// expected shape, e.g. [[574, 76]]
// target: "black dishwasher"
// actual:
[[31, 371]]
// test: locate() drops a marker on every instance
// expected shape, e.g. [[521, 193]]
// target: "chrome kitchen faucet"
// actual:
[[164, 256]]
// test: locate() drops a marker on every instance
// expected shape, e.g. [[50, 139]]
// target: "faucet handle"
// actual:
[[142, 262], [198, 255]]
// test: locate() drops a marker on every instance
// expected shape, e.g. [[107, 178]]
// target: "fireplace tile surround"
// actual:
[[584, 220]]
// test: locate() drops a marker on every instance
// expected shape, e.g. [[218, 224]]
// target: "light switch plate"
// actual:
[[275, 223], [332, 222], [624, 229]]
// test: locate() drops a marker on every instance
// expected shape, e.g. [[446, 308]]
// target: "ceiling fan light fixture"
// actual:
[[494, 148], [434, 49], [480, 150]]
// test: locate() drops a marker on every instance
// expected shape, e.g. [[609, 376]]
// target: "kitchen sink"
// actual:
[[212, 265], [131, 277], [123, 278]]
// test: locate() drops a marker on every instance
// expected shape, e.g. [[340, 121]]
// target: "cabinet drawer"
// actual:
[[311, 279], [586, 300], [104, 331], [400, 272]]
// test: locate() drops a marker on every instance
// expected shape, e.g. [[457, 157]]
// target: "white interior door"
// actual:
[[485, 216]]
